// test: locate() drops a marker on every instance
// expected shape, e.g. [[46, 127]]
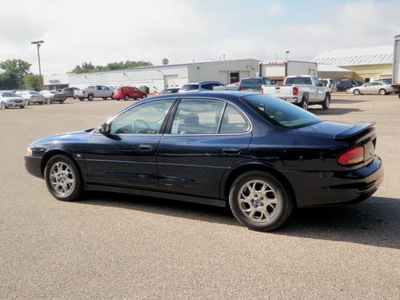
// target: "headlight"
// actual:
[[29, 152]]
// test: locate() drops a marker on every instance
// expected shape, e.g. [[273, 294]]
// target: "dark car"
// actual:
[[69, 92], [344, 85], [258, 155], [254, 84]]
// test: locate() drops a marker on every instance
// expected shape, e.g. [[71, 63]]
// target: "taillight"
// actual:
[[240, 90], [329, 86], [83, 92], [295, 91], [352, 156]]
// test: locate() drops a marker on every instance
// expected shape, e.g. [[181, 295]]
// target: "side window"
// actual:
[[233, 121], [197, 116], [143, 119]]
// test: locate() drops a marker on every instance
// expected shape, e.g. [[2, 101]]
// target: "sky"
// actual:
[[186, 31]]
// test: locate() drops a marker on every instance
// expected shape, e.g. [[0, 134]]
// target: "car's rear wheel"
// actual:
[[382, 92], [260, 201], [327, 101], [304, 103], [3, 105], [63, 178], [126, 98], [49, 101], [90, 97], [104, 98], [356, 92], [81, 98], [22, 106], [26, 102]]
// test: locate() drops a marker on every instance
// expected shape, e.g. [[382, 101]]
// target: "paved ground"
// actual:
[[110, 246]]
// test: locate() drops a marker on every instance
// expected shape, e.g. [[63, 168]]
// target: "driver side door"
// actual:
[[126, 155]]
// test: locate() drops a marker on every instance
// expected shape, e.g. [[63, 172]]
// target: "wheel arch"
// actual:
[[48, 155], [228, 182]]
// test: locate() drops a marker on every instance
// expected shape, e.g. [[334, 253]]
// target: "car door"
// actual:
[[206, 138], [320, 90], [125, 154]]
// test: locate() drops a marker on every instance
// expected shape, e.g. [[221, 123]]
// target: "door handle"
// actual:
[[145, 147], [231, 150]]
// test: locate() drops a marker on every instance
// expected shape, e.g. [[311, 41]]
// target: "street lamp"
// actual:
[[37, 43], [287, 55]]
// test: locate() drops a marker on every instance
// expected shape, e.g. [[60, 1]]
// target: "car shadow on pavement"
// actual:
[[374, 222], [332, 111]]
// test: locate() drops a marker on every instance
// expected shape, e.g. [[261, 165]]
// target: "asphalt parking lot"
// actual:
[[109, 246]]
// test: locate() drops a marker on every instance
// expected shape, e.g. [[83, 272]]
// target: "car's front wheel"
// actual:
[[356, 92], [63, 178], [260, 201], [3, 105]]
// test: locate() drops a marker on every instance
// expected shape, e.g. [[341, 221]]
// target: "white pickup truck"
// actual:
[[94, 91], [303, 90]]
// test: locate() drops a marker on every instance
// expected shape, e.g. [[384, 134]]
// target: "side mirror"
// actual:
[[105, 128]]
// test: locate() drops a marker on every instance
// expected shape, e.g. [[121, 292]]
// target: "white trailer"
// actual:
[[278, 71], [396, 64]]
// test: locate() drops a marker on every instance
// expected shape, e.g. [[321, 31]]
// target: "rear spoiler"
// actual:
[[353, 131]]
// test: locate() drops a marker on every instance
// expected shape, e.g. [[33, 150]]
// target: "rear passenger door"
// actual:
[[206, 137]]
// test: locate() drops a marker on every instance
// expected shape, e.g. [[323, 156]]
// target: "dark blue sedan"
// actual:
[[256, 154]]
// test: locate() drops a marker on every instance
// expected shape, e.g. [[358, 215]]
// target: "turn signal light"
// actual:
[[351, 157]]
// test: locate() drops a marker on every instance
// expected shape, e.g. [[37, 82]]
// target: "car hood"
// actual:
[[64, 138]]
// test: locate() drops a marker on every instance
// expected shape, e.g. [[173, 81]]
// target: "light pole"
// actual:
[[287, 55], [37, 43]]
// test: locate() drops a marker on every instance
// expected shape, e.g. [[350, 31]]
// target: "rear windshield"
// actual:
[[280, 112], [255, 82], [298, 80], [190, 87]]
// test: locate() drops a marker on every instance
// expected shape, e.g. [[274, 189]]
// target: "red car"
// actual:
[[126, 92]]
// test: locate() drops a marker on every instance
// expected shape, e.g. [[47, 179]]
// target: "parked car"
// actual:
[[254, 84], [9, 99], [229, 87], [199, 86], [168, 91], [329, 83], [53, 96], [256, 154], [127, 92], [31, 97], [375, 87], [344, 85], [69, 92]]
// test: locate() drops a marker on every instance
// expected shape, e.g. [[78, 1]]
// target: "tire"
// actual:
[[327, 101], [356, 92], [90, 97], [3, 105], [346, 90], [27, 102], [41, 103], [382, 92], [144, 96], [63, 178], [22, 106], [61, 102], [260, 201], [126, 97], [49, 101], [81, 98], [304, 103], [104, 98]]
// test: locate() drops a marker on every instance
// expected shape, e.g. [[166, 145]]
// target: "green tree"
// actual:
[[11, 72], [32, 81], [89, 67]]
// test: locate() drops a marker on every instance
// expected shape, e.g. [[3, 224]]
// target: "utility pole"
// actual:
[[38, 44]]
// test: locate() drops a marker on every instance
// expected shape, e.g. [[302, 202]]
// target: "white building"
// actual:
[[157, 78]]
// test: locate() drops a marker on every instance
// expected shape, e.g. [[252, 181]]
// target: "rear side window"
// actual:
[[190, 87]]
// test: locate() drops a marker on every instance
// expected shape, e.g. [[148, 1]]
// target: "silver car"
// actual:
[[31, 97], [329, 83], [8, 99], [53, 96], [374, 87]]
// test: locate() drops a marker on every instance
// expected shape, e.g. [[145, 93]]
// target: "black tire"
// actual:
[[327, 101], [81, 98], [22, 106], [104, 98], [61, 102], [40, 103], [63, 178], [144, 96], [126, 97], [356, 92], [263, 207], [304, 103], [27, 102], [49, 101], [90, 97], [382, 92]]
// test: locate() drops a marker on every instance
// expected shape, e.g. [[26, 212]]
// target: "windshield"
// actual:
[[190, 87], [9, 94], [280, 112]]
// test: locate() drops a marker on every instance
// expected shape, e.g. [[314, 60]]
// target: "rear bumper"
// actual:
[[328, 188]]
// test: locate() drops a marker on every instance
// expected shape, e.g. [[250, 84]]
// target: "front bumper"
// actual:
[[33, 165]]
